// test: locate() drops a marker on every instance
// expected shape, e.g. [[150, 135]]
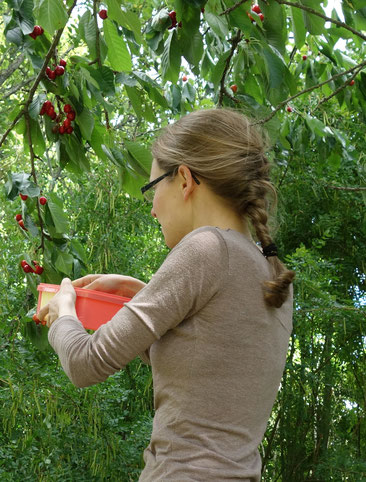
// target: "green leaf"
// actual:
[[85, 121], [105, 78], [59, 218], [36, 105], [276, 67], [170, 59], [88, 32], [219, 68], [126, 19], [118, 54], [189, 92], [64, 263], [75, 154], [136, 100], [97, 140], [142, 155], [51, 14], [131, 182], [298, 26], [78, 250], [274, 25], [313, 23]]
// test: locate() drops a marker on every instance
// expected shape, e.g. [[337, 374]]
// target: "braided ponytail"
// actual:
[[224, 149], [277, 290]]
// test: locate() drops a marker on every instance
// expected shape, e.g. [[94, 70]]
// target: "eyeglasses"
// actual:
[[149, 193]]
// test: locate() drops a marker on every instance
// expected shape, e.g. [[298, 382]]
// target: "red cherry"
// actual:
[[23, 263], [33, 35], [48, 103], [42, 200], [67, 122], [261, 16], [71, 115], [234, 88], [70, 130], [62, 63], [36, 319], [352, 82], [50, 111], [39, 270], [304, 57], [184, 78], [67, 108], [27, 268], [256, 9], [103, 14], [289, 109], [23, 196], [21, 224], [42, 31], [52, 75], [61, 130], [37, 30], [18, 217], [59, 70], [53, 116], [173, 16]]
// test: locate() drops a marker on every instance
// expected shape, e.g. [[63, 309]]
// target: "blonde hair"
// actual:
[[228, 153]]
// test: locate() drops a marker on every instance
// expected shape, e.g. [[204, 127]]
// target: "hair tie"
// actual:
[[270, 250]]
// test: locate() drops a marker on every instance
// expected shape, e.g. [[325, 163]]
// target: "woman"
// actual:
[[214, 321]]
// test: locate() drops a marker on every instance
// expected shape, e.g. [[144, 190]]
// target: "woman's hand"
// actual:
[[63, 303], [116, 284]]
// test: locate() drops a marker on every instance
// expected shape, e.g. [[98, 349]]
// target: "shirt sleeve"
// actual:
[[189, 277]]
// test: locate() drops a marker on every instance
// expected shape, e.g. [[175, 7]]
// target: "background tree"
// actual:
[[84, 89]]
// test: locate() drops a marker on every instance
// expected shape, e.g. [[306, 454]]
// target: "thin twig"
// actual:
[[228, 10], [14, 89], [340, 188], [234, 43], [318, 14], [340, 88], [310, 89]]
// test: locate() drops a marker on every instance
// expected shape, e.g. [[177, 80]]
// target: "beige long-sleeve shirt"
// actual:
[[217, 354]]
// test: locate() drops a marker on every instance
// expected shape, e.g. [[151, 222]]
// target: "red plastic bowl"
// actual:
[[93, 308]]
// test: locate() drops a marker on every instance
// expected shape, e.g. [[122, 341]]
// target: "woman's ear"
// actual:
[[186, 181]]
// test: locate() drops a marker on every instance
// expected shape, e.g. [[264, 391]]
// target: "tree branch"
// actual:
[[318, 14], [228, 10], [14, 89], [39, 77], [5, 74], [98, 59], [337, 90], [234, 43], [310, 89], [340, 188]]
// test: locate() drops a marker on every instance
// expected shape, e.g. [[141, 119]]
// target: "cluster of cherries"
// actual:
[[256, 9], [59, 70], [27, 268], [66, 127], [19, 217], [38, 30], [173, 18]]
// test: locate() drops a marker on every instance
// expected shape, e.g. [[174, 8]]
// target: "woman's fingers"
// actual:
[[85, 281]]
